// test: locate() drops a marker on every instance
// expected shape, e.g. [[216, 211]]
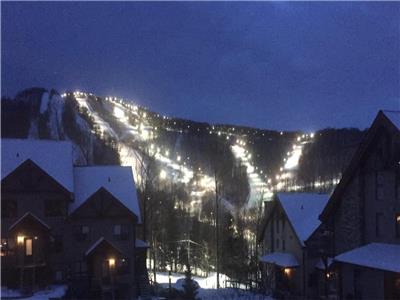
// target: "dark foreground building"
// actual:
[[363, 216], [66, 224], [354, 253]]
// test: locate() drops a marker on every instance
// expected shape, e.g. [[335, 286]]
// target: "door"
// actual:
[[106, 272]]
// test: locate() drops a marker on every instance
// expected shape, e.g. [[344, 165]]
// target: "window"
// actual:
[[121, 231], [54, 208], [378, 224], [277, 225], [283, 224], [82, 233], [277, 243], [85, 229], [117, 229], [283, 245], [397, 220], [80, 267], [28, 247], [59, 276], [8, 208]]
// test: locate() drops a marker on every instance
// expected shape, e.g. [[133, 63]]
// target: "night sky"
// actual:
[[271, 65]]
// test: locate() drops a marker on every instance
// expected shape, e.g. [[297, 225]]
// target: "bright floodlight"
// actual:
[[163, 174]]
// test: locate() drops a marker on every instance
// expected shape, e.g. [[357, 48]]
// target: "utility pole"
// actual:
[[217, 225]]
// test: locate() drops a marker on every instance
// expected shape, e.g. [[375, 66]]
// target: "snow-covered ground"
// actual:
[[54, 291], [208, 290]]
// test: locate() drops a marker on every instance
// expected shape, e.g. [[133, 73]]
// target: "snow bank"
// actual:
[[53, 291]]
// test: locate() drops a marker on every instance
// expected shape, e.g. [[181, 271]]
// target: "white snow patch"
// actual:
[[375, 255], [56, 108], [53, 291], [281, 259], [33, 129], [54, 157], [115, 179], [303, 210]]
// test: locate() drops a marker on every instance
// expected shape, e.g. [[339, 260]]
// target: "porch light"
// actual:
[[20, 239], [111, 262], [287, 271]]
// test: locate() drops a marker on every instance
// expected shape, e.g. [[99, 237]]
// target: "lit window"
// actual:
[[28, 247], [398, 224]]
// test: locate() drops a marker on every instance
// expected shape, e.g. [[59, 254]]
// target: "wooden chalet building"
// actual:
[[66, 224], [289, 266], [363, 216]]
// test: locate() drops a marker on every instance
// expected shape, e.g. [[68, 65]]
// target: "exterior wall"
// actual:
[[278, 232], [373, 191], [32, 198], [101, 224], [347, 220], [64, 250], [366, 212], [362, 283]]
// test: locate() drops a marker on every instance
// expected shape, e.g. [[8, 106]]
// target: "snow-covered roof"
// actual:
[[375, 255], [320, 264], [285, 260], [141, 244], [303, 210], [53, 157], [393, 116], [115, 179], [29, 214]]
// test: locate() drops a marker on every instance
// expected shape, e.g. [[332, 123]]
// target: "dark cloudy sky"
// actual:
[[271, 65]]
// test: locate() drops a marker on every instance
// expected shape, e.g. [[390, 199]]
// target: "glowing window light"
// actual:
[[111, 262], [287, 271], [20, 239], [178, 158], [312, 135]]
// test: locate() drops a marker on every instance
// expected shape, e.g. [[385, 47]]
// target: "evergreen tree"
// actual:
[[189, 286]]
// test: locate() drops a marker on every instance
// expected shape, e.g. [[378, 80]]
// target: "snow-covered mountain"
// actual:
[[249, 163]]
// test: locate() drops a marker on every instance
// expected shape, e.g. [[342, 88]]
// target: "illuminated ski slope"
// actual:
[[134, 125], [174, 167]]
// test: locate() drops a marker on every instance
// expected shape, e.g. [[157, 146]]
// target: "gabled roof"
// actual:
[[99, 242], [388, 119], [393, 116], [32, 216], [285, 260], [53, 157], [375, 255], [117, 180], [302, 211]]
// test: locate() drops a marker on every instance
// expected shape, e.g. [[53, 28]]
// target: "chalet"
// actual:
[[68, 224], [288, 265], [363, 216]]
